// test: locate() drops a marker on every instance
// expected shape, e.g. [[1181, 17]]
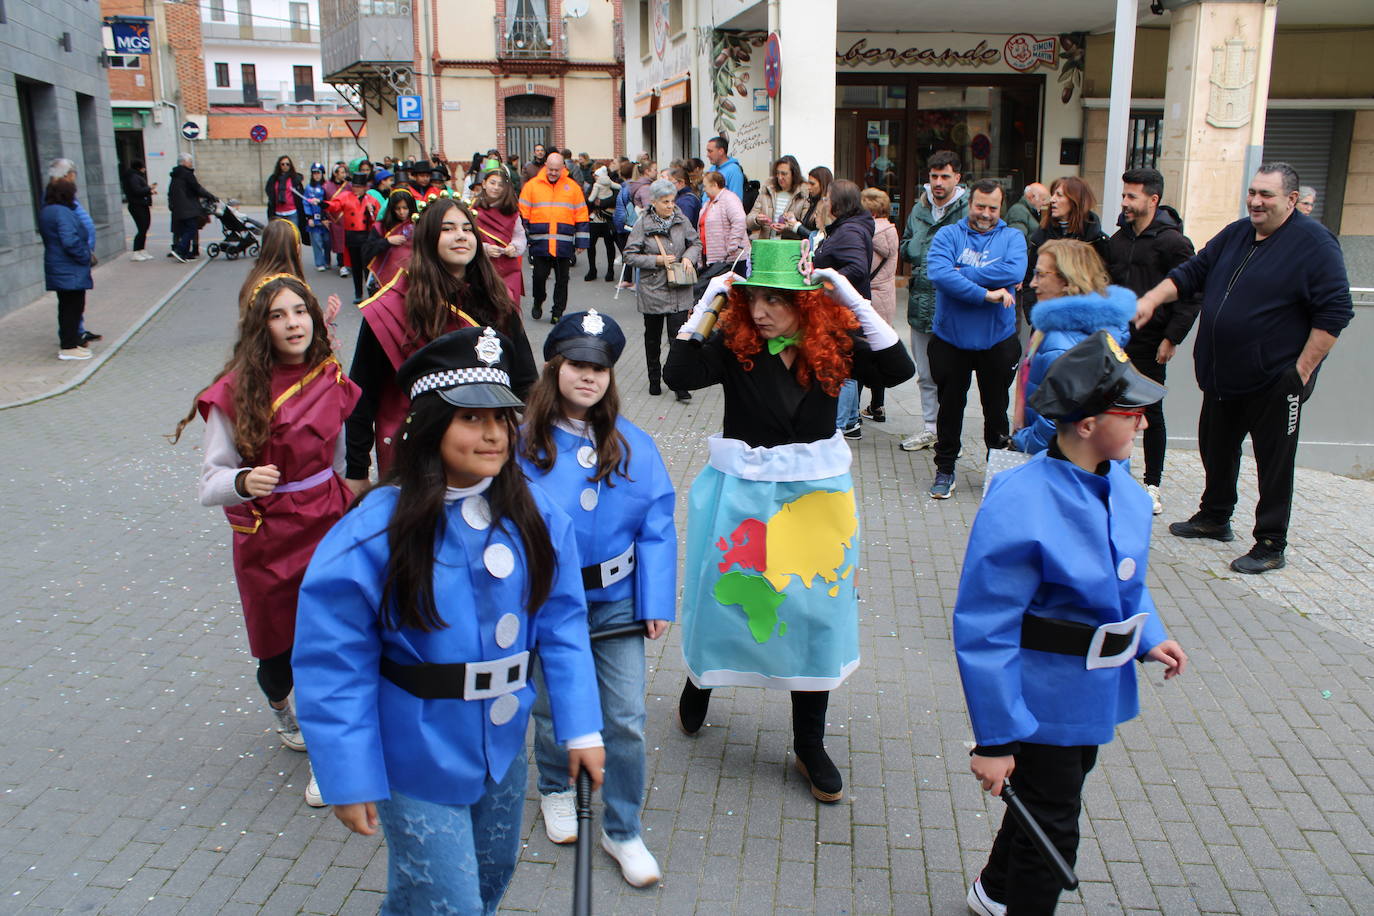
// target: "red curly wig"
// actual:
[[825, 351]]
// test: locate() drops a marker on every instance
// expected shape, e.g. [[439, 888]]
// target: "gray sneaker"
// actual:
[[288, 729], [917, 441], [943, 485]]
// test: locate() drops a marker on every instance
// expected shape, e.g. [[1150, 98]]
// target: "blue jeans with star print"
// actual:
[[453, 858]]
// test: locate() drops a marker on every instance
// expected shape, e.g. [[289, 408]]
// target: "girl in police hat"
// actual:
[[272, 455], [419, 617], [1052, 609], [772, 538], [607, 474]]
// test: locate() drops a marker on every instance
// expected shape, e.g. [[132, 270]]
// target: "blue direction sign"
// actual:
[[190, 130], [258, 133], [408, 108]]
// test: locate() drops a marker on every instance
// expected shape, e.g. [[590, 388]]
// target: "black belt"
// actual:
[[459, 681], [1068, 637], [609, 572]]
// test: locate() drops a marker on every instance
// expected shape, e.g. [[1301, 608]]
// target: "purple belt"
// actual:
[[314, 480]]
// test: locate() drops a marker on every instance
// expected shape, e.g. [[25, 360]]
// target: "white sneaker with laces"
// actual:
[[343, 271], [917, 441], [560, 816], [638, 866], [74, 353], [979, 902], [288, 729], [313, 798], [1154, 498]]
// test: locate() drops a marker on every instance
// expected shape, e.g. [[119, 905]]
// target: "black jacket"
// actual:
[[1139, 262], [1092, 234], [137, 191], [848, 248], [184, 194], [1260, 300], [296, 194]]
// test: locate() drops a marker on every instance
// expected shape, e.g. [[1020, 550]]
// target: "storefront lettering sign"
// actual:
[[859, 53], [1026, 52]]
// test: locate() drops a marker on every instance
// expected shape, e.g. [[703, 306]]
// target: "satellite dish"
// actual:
[[575, 9]]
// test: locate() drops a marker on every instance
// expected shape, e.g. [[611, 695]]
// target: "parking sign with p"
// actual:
[[408, 108]]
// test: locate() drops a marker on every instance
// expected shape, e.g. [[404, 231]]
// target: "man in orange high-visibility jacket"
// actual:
[[556, 226]]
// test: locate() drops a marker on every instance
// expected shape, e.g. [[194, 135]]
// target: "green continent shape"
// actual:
[[757, 599]]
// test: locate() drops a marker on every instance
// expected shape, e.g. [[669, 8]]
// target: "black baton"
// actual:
[[1037, 834], [582, 872]]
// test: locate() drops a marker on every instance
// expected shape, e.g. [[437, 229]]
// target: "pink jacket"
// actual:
[[884, 280], [722, 230]]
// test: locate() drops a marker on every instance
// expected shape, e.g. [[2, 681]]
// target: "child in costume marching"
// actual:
[[772, 537], [1052, 610], [273, 453], [607, 474], [419, 617]]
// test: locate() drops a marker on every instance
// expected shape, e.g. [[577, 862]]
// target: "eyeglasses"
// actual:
[[1138, 413], [1039, 274]]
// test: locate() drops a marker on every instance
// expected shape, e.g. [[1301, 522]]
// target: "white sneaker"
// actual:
[[313, 798], [1154, 498], [979, 902], [917, 441], [322, 268], [74, 353], [343, 271], [288, 729], [560, 816], [638, 866]]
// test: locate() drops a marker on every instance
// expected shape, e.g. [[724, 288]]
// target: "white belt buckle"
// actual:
[[617, 568], [1095, 657], [505, 675]]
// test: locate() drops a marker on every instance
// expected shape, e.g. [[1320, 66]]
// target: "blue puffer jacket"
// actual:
[[66, 248], [1064, 322]]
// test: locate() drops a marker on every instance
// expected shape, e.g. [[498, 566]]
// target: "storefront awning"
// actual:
[[128, 118], [675, 91], [646, 103]]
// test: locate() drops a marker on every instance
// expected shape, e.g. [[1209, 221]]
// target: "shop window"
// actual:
[[125, 61], [38, 125], [674, 16], [249, 74], [93, 172], [643, 28], [221, 76], [1147, 140]]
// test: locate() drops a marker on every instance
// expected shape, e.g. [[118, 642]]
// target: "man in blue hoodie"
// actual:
[[718, 155], [974, 266]]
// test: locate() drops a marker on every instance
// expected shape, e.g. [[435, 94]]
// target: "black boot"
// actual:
[[691, 708], [808, 735]]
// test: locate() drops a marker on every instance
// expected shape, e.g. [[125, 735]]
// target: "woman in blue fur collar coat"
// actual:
[[1074, 303]]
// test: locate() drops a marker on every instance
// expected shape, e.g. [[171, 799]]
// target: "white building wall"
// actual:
[[271, 50]]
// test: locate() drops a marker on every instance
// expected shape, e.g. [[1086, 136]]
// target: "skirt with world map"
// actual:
[[772, 553]]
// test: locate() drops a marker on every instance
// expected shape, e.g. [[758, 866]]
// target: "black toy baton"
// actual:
[[582, 871], [1028, 823]]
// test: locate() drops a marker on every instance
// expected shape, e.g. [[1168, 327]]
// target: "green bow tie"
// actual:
[[777, 344]]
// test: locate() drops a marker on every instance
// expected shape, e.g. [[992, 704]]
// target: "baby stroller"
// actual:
[[240, 233]]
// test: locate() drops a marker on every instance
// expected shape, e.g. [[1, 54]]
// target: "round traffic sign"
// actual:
[[190, 130], [772, 66], [258, 133]]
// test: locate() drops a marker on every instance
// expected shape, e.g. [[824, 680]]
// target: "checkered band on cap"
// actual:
[[452, 378]]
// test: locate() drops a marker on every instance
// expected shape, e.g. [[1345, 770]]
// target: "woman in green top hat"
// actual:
[[772, 537]]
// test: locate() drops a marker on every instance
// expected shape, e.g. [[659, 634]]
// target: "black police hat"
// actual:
[[469, 367], [587, 337], [1091, 377], [360, 178]]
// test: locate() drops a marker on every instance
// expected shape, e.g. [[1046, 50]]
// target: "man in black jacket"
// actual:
[[1274, 298], [1149, 244], [184, 195]]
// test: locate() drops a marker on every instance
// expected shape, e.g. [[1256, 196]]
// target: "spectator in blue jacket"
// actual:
[[313, 202], [1275, 296], [974, 266], [68, 256], [718, 154]]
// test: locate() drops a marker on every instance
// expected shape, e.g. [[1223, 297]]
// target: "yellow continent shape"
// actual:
[[808, 536]]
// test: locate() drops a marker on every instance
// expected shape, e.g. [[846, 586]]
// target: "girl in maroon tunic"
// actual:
[[273, 450], [500, 228]]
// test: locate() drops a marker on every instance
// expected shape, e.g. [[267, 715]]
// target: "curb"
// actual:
[[109, 353]]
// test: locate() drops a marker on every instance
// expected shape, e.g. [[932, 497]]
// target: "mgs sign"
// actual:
[[131, 38]]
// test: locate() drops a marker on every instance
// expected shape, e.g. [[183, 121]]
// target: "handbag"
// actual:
[[680, 272], [999, 460]]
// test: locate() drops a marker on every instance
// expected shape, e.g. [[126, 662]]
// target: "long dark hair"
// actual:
[[279, 253], [432, 289], [1081, 200], [391, 220], [798, 180], [418, 521], [544, 408], [252, 363], [505, 202]]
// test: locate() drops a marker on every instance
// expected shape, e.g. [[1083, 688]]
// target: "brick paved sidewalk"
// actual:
[[138, 773]]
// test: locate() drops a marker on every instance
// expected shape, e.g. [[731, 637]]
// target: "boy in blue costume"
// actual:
[[1052, 608]]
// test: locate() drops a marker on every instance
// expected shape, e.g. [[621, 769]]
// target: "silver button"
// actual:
[[1125, 569], [386, 440], [476, 512], [588, 499], [507, 629], [586, 456], [499, 560], [503, 709]]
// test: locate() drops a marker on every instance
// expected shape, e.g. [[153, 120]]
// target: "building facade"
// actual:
[[54, 102]]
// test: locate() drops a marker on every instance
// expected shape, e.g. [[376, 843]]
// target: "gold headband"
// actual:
[[294, 228], [268, 279]]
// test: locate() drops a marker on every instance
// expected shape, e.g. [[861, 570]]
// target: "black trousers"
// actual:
[[143, 217], [604, 233], [274, 676], [542, 265], [1156, 436], [1049, 780], [653, 340], [953, 370], [1271, 419], [71, 306]]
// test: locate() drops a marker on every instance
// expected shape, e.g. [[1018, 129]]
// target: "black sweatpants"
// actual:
[[604, 233], [653, 339], [143, 218], [1156, 436], [543, 264], [1049, 780], [1271, 419], [354, 240], [275, 677], [71, 306], [953, 370]]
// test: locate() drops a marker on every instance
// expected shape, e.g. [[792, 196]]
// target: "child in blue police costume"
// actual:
[[418, 617], [1052, 608], [607, 474]]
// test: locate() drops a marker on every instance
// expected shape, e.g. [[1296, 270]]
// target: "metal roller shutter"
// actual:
[[1303, 140]]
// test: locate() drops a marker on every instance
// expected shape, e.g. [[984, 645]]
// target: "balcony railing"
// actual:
[[530, 38], [253, 31]]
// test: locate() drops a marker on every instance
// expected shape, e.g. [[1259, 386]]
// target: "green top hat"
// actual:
[[775, 263]]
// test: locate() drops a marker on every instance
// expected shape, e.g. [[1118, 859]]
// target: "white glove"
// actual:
[[719, 286], [877, 332]]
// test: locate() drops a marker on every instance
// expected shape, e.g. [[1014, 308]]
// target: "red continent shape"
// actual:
[[750, 550]]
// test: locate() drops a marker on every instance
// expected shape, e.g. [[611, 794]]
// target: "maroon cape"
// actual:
[[497, 228]]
